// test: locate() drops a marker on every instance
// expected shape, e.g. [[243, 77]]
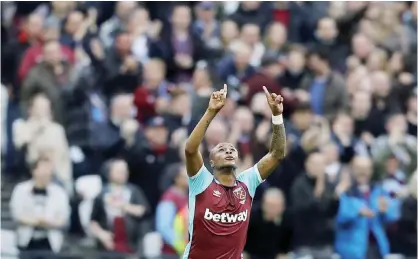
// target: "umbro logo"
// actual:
[[217, 193]]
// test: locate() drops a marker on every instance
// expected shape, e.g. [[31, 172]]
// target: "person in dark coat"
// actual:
[[270, 229], [179, 46], [314, 206], [118, 211]]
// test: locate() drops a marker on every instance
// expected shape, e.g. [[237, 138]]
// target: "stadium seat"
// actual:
[[152, 244], [8, 244], [88, 187]]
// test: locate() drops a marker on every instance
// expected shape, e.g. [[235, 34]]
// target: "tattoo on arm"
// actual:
[[207, 123], [277, 152], [278, 142]]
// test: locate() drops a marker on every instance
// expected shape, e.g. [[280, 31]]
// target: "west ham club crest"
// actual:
[[240, 194]]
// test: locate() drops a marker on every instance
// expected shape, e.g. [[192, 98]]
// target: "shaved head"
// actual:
[[223, 155]]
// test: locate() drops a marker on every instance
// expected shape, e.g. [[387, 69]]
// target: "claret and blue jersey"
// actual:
[[219, 215]]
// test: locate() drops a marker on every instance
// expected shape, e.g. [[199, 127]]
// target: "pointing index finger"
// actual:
[[266, 92], [225, 89]]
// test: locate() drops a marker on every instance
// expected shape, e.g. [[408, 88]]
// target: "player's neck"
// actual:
[[225, 176]]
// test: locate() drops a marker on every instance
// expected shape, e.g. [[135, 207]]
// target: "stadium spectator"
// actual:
[[363, 212], [128, 80], [117, 211], [270, 228], [41, 209], [140, 27], [206, 26], [74, 29], [368, 122], [153, 95], [173, 200], [29, 35], [270, 69], [294, 73], [233, 69], [403, 236], [396, 143], [314, 205], [253, 12], [122, 70], [326, 89], [334, 166], [58, 12], [32, 136], [152, 157], [52, 77], [33, 55], [343, 136], [275, 40], [179, 46], [119, 21], [229, 33]]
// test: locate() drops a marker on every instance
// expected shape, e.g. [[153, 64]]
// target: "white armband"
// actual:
[[277, 120]]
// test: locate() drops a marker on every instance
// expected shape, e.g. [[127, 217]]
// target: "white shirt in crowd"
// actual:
[[54, 206]]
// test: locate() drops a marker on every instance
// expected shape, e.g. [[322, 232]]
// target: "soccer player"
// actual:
[[220, 204]]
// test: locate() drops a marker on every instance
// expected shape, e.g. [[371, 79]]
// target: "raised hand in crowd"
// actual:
[[129, 128], [154, 29], [129, 65], [97, 49], [183, 61], [344, 184], [382, 204]]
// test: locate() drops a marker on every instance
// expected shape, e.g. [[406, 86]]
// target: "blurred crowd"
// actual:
[[98, 99]]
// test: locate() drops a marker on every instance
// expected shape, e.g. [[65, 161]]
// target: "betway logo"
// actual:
[[226, 217]]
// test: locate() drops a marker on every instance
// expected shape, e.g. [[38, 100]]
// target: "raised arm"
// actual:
[[194, 160], [278, 141]]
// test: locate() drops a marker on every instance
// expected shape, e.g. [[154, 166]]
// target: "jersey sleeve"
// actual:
[[200, 181], [251, 177]]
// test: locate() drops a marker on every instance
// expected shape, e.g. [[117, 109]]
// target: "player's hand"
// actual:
[[218, 99], [275, 102]]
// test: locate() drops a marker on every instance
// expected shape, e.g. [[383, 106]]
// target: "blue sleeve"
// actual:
[[251, 177], [348, 209], [165, 214], [200, 181]]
